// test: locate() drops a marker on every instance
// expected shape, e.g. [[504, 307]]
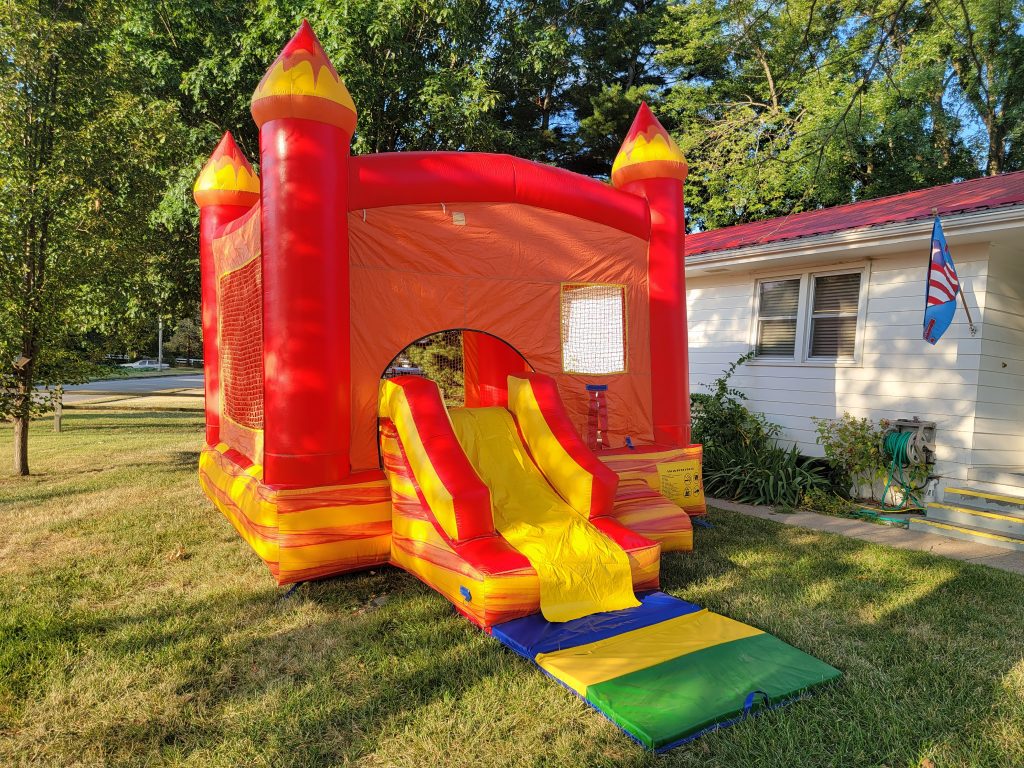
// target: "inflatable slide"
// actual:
[[516, 516]]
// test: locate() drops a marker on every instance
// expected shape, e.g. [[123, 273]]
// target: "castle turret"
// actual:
[[227, 187], [649, 164], [306, 119]]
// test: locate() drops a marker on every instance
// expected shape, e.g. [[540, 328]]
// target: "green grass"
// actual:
[[136, 628]]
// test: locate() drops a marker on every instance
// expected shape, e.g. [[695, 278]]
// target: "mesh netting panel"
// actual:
[[241, 337], [437, 357], [593, 328]]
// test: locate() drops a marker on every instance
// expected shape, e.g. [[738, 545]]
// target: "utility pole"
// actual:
[[160, 345]]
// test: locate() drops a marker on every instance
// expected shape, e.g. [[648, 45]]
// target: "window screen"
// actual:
[[777, 305], [834, 316], [593, 328]]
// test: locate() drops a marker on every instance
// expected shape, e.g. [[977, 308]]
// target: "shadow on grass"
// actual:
[[318, 675], [47, 486], [925, 643], [328, 677], [920, 662]]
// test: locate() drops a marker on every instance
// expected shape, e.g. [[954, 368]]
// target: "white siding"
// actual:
[[899, 375], [999, 423]]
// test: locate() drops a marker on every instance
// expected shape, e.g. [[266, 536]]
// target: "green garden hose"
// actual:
[[904, 451]]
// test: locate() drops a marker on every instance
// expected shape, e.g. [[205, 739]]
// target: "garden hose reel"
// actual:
[[907, 444], [910, 442]]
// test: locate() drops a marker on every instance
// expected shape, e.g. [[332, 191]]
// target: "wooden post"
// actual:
[[58, 408]]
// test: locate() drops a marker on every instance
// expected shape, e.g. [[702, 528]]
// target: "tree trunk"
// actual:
[[996, 148], [22, 415], [21, 445]]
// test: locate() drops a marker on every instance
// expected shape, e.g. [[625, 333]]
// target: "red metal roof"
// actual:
[[972, 195]]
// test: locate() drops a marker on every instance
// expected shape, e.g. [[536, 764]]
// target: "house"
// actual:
[[833, 299]]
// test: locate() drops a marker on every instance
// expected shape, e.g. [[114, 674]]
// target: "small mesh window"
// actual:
[[593, 328], [241, 338]]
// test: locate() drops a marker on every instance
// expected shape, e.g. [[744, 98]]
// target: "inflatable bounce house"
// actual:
[[540, 508]]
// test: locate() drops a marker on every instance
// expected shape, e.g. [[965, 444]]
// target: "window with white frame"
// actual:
[[815, 316], [777, 312]]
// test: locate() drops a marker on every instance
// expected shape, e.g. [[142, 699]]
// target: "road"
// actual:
[[76, 393]]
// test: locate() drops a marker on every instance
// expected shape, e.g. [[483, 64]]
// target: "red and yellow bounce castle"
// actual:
[[319, 272], [548, 499]]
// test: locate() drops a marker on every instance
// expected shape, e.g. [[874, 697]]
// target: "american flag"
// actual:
[[943, 287]]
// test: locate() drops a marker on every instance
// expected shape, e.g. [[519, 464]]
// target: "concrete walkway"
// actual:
[[901, 538]]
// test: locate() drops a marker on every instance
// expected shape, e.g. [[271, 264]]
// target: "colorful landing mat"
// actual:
[[667, 671]]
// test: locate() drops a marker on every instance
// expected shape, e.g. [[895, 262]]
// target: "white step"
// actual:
[[966, 533], [1005, 523], [1000, 503]]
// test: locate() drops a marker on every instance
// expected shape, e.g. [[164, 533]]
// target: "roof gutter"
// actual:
[[863, 241]]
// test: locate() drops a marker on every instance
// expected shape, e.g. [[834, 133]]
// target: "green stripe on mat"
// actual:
[[662, 704]]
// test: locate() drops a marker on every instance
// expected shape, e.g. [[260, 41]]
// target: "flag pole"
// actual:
[[970, 321], [963, 299]]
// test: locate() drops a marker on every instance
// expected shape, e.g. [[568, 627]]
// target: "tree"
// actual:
[[783, 107], [78, 186], [984, 42], [187, 339], [439, 356]]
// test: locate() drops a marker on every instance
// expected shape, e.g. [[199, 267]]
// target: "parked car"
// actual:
[[402, 370], [146, 363]]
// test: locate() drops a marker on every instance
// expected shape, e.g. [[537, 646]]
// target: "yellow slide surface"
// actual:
[[581, 570]]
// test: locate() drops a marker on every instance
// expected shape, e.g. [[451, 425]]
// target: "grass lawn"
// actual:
[[137, 628]]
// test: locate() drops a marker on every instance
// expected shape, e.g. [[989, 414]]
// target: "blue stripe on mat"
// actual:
[[531, 635]]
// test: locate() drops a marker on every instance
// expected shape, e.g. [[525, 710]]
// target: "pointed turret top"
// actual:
[[227, 178], [647, 152], [302, 82]]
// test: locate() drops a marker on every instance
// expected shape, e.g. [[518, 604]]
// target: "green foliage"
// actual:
[[108, 110], [439, 356], [765, 474], [860, 465], [827, 502], [853, 449], [84, 161], [742, 460], [720, 420], [187, 339], [785, 107]]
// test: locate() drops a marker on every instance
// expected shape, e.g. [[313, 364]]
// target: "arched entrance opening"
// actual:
[[470, 367]]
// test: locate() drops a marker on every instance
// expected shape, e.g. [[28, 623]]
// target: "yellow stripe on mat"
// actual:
[[613, 657]]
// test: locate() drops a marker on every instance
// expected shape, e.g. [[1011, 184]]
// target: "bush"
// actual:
[[853, 450], [742, 460]]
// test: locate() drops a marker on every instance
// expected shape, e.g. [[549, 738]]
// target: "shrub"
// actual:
[[721, 421], [742, 460], [853, 450]]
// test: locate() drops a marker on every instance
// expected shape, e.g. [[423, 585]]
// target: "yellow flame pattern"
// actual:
[[648, 152], [303, 83], [227, 177]]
